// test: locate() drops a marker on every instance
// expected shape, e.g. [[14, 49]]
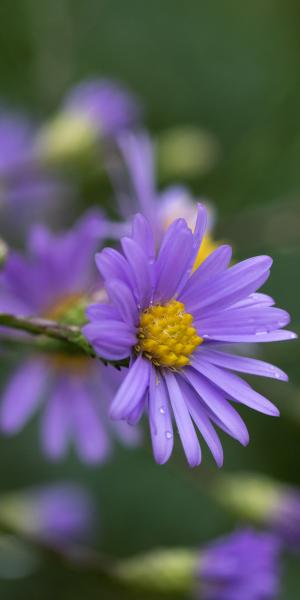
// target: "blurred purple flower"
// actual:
[[134, 180], [284, 517], [57, 514], [27, 193], [171, 322], [242, 566], [56, 279], [106, 104]]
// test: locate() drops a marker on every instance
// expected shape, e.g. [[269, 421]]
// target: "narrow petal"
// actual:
[[230, 286], [235, 387], [137, 413], [183, 420], [218, 405], [131, 390], [174, 265], [55, 425], [141, 269], [122, 297], [198, 235], [142, 234], [97, 312], [22, 395], [200, 417], [111, 339], [261, 336], [255, 299], [244, 364], [160, 419], [242, 320], [112, 265], [214, 264], [90, 437]]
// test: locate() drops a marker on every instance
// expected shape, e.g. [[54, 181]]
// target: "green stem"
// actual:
[[66, 338]]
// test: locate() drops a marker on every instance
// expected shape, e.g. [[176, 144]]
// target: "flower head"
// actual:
[[136, 174], [106, 104], [170, 321], [54, 283], [27, 192], [263, 501], [58, 514], [243, 566]]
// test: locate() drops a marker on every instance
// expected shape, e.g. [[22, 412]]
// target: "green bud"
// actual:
[[67, 139], [250, 496], [186, 152], [16, 513], [162, 570]]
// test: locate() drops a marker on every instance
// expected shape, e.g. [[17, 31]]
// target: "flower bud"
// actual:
[[162, 570], [263, 501], [186, 152]]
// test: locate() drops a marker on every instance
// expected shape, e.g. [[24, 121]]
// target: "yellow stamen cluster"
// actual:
[[167, 336]]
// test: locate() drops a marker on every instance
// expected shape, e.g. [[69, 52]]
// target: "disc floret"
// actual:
[[166, 335]]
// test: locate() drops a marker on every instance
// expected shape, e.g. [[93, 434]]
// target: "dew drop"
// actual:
[[169, 435], [162, 410]]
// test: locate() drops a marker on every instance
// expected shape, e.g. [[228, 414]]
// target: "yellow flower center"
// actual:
[[166, 335]]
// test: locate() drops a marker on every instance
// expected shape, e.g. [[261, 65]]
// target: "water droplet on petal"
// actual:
[[169, 435], [162, 410]]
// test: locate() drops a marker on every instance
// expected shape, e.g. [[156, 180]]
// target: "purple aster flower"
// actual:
[[242, 566], [134, 180], [171, 322], [57, 514], [105, 104], [27, 193], [15, 141], [53, 282], [263, 501]]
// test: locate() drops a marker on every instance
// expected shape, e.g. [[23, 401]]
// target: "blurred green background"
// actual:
[[232, 68]]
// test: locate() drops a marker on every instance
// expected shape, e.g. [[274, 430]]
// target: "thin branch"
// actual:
[[69, 337]]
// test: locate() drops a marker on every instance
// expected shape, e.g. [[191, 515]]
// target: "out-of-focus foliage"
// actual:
[[233, 69]]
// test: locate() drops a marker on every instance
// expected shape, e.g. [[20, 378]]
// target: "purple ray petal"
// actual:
[[142, 234], [173, 266], [112, 265], [242, 320], [22, 395], [183, 420], [141, 270], [218, 405], [160, 419], [111, 339], [262, 336], [55, 427], [244, 364], [132, 389], [233, 285], [236, 388], [214, 264], [96, 312], [90, 436], [122, 298], [199, 416], [199, 231]]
